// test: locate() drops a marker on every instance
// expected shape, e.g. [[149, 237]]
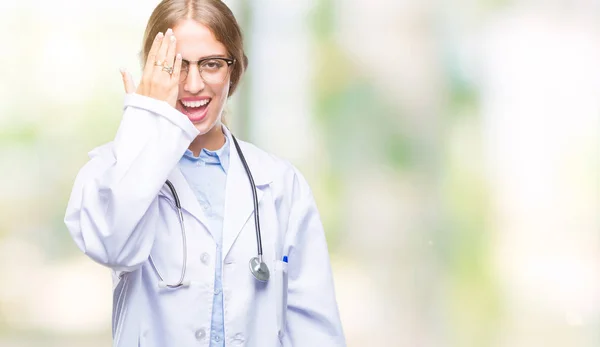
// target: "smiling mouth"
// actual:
[[195, 110], [195, 105]]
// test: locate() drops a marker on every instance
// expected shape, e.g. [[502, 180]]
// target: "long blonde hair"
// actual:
[[212, 13]]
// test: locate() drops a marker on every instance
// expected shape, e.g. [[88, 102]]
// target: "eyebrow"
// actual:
[[207, 57]]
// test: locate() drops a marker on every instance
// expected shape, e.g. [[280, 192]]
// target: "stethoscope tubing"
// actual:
[[254, 197], [184, 241], [182, 225]]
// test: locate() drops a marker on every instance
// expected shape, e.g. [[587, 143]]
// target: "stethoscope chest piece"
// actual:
[[259, 269]]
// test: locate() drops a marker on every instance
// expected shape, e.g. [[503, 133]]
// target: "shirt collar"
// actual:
[[219, 156]]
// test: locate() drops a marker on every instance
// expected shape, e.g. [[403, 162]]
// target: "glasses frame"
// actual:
[[198, 63]]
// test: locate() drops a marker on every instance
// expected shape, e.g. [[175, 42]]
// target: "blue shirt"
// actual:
[[207, 175]]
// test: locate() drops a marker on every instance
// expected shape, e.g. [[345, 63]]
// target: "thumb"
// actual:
[[127, 81]]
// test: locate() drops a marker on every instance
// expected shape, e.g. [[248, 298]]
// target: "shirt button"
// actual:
[[217, 291], [205, 258], [217, 338], [200, 334]]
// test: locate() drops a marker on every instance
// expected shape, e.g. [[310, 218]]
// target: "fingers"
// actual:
[[127, 81], [158, 81], [177, 68], [164, 48], [152, 55], [170, 56]]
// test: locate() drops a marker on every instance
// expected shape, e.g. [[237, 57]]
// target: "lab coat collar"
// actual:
[[187, 198], [239, 204], [261, 169]]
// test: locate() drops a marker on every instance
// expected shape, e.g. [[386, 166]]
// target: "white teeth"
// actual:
[[195, 103]]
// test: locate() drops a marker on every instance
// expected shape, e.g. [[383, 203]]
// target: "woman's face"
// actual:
[[201, 101]]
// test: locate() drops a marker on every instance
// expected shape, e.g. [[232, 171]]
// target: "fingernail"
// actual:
[[159, 36], [178, 57], [169, 31], [122, 69]]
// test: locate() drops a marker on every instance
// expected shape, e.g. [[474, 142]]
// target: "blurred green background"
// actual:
[[452, 146]]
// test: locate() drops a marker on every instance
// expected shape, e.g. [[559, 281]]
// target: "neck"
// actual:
[[212, 140]]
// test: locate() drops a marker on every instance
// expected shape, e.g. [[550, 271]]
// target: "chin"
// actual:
[[206, 125], [203, 128]]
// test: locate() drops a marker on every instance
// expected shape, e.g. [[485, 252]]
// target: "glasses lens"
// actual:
[[214, 70]]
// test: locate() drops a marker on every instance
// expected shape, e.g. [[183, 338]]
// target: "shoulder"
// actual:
[[279, 172]]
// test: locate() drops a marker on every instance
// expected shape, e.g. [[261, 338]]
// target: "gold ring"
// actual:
[[158, 63]]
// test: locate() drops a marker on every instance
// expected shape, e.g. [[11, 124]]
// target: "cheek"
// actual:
[[225, 91], [222, 92]]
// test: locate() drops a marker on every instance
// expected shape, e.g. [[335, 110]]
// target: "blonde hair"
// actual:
[[212, 13]]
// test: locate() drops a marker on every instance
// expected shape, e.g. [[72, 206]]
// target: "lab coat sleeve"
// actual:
[[114, 202], [312, 312]]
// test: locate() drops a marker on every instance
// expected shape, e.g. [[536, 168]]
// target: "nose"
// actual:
[[193, 83]]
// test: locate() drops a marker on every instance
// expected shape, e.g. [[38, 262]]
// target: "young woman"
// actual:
[[212, 241]]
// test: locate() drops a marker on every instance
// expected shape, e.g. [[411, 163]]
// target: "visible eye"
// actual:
[[213, 64]]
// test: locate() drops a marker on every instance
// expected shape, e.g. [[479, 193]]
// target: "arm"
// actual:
[[312, 312], [113, 205]]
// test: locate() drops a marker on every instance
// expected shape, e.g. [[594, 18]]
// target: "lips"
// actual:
[[195, 109]]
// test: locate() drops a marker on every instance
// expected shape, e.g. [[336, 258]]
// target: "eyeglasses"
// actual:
[[213, 70]]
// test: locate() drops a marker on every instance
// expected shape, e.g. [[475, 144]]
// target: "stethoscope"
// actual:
[[258, 268]]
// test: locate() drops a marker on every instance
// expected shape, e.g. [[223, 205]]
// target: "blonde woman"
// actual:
[[211, 241]]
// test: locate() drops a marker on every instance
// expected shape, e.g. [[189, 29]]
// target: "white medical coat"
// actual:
[[120, 212]]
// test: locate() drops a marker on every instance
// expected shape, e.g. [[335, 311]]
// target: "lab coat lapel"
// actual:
[[239, 203], [187, 198]]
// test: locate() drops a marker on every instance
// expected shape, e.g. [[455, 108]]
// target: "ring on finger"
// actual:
[[168, 69], [158, 63]]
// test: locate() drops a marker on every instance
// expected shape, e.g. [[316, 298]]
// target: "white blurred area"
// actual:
[[541, 83], [519, 167]]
